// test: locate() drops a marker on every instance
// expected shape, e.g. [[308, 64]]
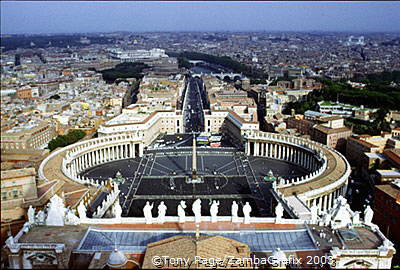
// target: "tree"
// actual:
[[64, 140]]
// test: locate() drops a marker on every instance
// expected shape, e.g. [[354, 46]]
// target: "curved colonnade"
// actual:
[[326, 181], [86, 154], [328, 169]]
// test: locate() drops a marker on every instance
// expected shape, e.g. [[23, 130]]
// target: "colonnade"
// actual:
[[90, 153], [290, 153], [97, 156], [326, 201], [311, 156]]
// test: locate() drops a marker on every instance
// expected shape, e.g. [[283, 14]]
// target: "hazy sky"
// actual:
[[76, 16]]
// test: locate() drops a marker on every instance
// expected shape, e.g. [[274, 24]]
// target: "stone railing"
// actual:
[[106, 204]]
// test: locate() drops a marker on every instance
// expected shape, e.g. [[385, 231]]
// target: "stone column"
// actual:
[[15, 260], [325, 202], [84, 161], [256, 148], [97, 157], [132, 147], [90, 159], [284, 152], [267, 149], [73, 168], [140, 149], [320, 202]]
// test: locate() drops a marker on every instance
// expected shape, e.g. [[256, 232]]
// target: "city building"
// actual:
[[331, 132], [387, 208], [136, 55], [32, 135]]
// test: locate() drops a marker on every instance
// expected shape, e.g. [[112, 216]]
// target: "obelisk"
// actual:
[[194, 159]]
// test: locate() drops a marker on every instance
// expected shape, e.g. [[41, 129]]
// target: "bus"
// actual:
[[202, 140]]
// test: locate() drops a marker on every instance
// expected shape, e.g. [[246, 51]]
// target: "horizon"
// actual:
[[42, 18], [205, 31]]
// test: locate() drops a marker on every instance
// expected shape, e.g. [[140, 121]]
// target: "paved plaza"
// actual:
[[226, 174]]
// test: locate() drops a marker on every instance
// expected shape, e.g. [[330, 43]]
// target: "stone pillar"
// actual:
[[278, 151], [326, 202], [256, 148], [320, 202], [267, 149], [284, 155], [73, 169], [76, 165], [140, 149], [132, 151], [262, 149], [84, 161], [15, 260], [90, 159], [275, 151], [330, 200]]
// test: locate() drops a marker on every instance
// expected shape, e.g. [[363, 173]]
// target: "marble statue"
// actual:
[[214, 211], [56, 212], [147, 212], [326, 219], [342, 215], [117, 210], [314, 212], [116, 188], [82, 210], [41, 216], [31, 214], [71, 218], [234, 211], [279, 211], [181, 211], [356, 217], [162, 210], [196, 208], [368, 215], [246, 213]]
